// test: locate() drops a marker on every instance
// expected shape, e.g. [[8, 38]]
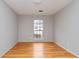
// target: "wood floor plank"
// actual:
[[40, 50]]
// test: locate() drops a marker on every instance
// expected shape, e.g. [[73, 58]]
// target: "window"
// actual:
[[38, 28]]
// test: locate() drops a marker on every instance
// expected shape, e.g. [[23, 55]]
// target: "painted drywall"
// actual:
[[67, 27], [8, 28], [29, 7], [26, 28]]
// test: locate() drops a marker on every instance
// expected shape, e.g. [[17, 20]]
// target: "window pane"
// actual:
[[38, 28]]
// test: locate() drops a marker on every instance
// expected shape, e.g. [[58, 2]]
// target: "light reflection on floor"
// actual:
[[38, 50]]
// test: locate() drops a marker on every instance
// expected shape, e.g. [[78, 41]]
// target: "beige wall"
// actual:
[[67, 27], [8, 28], [26, 28]]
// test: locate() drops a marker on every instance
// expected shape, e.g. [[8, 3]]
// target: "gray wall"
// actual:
[[26, 28], [8, 28], [67, 27]]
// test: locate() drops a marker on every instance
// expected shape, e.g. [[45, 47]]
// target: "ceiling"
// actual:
[[31, 7]]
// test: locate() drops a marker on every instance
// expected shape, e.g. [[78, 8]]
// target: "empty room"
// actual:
[[39, 28]]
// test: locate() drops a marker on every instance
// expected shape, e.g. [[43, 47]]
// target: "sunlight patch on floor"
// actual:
[[38, 50]]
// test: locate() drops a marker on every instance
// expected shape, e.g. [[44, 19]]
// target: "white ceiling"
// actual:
[[27, 7]]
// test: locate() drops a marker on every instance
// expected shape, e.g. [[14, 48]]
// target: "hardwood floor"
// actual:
[[37, 50]]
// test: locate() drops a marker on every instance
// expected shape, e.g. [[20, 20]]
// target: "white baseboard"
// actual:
[[36, 41], [8, 50], [67, 50]]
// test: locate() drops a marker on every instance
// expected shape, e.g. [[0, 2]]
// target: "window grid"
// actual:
[[38, 28]]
